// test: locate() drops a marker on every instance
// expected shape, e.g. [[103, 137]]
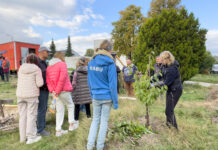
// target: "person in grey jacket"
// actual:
[[81, 94]]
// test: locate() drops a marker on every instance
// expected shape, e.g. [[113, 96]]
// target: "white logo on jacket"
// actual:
[[100, 69]]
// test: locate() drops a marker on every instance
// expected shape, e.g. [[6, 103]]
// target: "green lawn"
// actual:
[[8, 89], [212, 78], [194, 114]]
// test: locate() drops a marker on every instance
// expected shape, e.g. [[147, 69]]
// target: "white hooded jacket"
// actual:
[[29, 81]]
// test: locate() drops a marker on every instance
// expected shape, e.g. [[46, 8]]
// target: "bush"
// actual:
[[177, 32]]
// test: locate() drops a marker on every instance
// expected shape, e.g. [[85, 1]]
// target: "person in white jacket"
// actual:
[[29, 81]]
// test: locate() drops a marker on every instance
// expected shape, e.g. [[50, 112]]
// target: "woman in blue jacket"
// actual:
[[102, 80]]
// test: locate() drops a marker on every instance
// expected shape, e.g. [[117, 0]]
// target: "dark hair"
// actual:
[[81, 62], [106, 45], [32, 59]]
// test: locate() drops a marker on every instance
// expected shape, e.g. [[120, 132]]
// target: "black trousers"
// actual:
[[172, 99], [2, 74], [77, 110], [6, 74]]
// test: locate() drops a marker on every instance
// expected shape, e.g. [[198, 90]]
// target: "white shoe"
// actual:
[[74, 126], [36, 139], [61, 132]]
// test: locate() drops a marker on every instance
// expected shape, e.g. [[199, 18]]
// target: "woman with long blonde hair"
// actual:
[[172, 80]]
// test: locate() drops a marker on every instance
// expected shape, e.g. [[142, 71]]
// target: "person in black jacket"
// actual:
[[118, 71], [44, 93], [172, 80]]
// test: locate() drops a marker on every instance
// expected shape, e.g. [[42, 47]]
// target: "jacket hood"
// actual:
[[28, 68], [82, 69], [176, 63], [54, 61], [103, 58]]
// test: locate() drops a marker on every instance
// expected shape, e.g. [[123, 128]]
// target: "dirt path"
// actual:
[[201, 83]]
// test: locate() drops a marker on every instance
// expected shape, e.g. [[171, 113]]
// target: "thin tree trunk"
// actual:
[[147, 109], [147, 117]]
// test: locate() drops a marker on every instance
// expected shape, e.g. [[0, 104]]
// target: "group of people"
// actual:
[[94, 81], [4, 68]]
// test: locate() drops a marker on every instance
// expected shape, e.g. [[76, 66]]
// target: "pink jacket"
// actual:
[[57, 77]]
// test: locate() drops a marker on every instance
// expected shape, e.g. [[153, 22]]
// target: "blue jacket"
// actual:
[[102, 79]]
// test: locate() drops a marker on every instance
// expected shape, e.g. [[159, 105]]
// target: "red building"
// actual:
[[17, 51]]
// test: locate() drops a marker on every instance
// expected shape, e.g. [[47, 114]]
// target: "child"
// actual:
[[81, 94], [59, 84], [29, 81]]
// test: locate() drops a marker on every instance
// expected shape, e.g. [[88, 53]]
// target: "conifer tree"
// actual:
[[177, 32], [52, 47], [69, 49]]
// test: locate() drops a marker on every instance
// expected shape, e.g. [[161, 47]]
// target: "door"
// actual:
[[32, 50], [24, 54]]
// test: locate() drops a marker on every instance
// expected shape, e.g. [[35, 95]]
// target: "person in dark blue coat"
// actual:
[[102, 80], [172, 80]]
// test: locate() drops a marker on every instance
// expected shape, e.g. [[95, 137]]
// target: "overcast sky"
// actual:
[[38, 21]]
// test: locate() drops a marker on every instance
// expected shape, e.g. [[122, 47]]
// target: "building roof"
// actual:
[[19, 42]]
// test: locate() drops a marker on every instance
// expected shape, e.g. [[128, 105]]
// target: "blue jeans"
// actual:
[[101, 113], [42, 108]]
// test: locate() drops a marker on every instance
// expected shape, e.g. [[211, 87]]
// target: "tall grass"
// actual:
[[196, 131]]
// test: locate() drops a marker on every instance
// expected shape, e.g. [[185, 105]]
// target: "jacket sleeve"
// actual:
[[62, 78], [118, 69], [39, 79], [112, 77], [48, 80], [89, 80], [74, 80]]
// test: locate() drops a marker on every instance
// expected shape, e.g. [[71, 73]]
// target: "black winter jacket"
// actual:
[[81, 93], [43, 66], [172, 77]]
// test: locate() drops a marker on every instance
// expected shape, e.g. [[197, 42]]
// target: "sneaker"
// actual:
[[61, 132], [44, 133], [34, 140], [74, 126]]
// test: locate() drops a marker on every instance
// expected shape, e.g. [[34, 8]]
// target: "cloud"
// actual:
[[72, 24], [31, 33], [212, 41], [79, 43], [19, 17]]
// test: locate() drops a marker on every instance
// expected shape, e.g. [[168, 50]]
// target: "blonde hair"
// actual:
[[106, 45], [168, 57], [87, 61], [59, 55]]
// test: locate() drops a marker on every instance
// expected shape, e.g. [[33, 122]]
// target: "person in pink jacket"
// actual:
[[59, 85]]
